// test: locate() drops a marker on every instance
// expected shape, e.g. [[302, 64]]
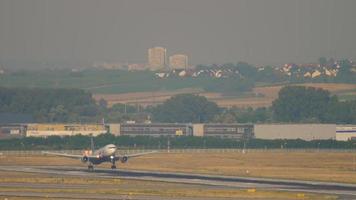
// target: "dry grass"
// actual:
[[336, 167], [272, 91], [279, 164], [143, 98], [267, 95], [183, 193], [320, 166], [134, 188]]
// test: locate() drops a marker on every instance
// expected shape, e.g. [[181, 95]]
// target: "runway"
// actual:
[[347, 191]]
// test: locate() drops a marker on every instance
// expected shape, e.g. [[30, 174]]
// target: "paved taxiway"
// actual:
[[347, 191]]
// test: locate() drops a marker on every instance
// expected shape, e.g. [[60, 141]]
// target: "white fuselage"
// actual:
[[106, 151]]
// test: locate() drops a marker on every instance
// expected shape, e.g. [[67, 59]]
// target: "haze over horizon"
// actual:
[[208, 31]]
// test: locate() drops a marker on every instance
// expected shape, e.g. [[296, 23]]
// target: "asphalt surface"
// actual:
[[345, 191]]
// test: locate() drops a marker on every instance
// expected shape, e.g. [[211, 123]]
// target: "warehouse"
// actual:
[[295, 131]]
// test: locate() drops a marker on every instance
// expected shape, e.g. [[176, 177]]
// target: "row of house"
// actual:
[[231, 131], [311, 70]]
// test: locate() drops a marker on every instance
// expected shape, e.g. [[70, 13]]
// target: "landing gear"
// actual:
[[90, 167], [113, 166]]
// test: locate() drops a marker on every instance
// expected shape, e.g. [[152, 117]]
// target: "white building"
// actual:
[[157, 58], [178, 61], [45, 130], [295, 131], [346, 132]]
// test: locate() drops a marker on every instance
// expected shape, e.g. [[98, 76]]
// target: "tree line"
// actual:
[[81, 142], [297, 104], [48, 105], [64, 106], [308, 104]]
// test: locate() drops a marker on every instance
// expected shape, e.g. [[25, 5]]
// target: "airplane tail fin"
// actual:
[[92, 144]]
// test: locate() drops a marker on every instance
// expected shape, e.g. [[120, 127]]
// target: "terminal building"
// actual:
[[233, 131], [306, 132], [156, 129], [45, 130]]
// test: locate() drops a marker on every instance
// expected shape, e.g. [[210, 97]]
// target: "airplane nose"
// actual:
[[114, 149]]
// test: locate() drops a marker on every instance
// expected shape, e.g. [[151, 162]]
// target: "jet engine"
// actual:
[[84, 159], [123, 159]]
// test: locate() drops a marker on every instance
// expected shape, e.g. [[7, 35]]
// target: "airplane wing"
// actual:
[[66, 155], [127, 156], [117, 157], [139, 154]]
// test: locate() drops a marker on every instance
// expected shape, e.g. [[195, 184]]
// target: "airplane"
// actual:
[[96, 157]]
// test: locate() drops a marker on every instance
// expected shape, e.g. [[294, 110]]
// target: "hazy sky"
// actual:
[[208, 31]]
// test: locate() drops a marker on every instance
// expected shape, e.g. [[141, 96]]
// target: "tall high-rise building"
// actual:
[[157, 58], [178, 61]]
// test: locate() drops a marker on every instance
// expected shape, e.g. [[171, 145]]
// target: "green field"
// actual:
[[104, 81], [89, 79]]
